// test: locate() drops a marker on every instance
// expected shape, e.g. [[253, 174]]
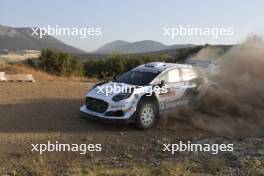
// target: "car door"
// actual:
[[175, 89]]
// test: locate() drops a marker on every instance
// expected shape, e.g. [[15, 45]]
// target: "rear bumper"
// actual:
[[108, 119]]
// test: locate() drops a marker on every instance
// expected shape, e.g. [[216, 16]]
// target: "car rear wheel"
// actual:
[[146, 115]]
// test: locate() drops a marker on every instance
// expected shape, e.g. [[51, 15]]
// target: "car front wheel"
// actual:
[[146, 115]]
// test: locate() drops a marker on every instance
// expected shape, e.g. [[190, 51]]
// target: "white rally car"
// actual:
[[144, 93]]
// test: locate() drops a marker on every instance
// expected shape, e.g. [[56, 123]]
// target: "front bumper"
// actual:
[[127, 118]]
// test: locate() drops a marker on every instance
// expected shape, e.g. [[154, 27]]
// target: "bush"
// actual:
[[114, 65], [59, 63], [63, 64]]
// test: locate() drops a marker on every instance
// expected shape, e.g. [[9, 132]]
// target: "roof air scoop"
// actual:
[[155, 64]]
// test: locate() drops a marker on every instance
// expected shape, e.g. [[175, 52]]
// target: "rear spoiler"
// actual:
[[210, 66], [200, 63]]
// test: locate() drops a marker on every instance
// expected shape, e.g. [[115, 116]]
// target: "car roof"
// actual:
[[160, 66]]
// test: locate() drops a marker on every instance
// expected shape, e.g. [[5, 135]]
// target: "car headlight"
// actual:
[[123, 96]]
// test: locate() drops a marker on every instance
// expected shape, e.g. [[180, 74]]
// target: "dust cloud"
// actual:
[[236, 107]]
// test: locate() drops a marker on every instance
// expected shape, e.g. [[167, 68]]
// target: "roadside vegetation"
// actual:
[[58, 63], [38, 74], [119, 63]]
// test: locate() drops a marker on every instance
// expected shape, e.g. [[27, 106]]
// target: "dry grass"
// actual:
[[38, 74], [19, 56], [2, 64], [42, 167]]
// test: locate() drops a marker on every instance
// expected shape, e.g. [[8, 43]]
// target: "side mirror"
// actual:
[[116, 76], [162, 83]]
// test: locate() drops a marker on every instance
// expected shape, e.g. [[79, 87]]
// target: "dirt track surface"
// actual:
[[32, 113], [42, 111], [54, 107]]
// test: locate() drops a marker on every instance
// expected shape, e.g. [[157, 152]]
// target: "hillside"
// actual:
[[14, 39], [143, 46], [112, 46]]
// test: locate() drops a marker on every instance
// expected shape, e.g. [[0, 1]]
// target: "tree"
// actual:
[[59, 63]]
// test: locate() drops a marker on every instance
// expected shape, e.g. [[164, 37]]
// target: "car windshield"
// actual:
[[139, 78]]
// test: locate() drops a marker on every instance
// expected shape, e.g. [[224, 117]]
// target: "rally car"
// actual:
[[144, 93]]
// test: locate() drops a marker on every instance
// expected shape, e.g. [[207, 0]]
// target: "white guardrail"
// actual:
[[2, 76], [16, 77]]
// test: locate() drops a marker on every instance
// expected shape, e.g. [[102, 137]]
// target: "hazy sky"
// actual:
[[134, 20]]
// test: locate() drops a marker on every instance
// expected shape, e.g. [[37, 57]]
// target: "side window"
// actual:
[[171, 76], [188, 74], [164, 77]]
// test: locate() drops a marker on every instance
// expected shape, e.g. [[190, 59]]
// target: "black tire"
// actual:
[[146, 114]]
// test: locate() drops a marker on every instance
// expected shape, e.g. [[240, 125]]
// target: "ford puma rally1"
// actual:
[[143, 93]]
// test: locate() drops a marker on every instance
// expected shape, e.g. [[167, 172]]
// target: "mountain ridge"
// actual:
[[143, 46], [20, 38]]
